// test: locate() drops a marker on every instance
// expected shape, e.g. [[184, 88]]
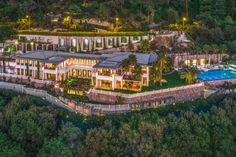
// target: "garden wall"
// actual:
[[170, 95], [220, 82]]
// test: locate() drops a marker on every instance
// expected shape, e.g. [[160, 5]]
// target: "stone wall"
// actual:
[[220, 82], [171, 95]]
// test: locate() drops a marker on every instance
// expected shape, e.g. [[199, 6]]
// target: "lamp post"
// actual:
[[184, 20], [28, 17], [32, 46], [117, 20], [16, 44]]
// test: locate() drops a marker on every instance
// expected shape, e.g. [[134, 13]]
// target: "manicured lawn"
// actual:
[[173, 80]]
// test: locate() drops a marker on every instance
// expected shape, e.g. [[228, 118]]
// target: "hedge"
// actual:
[[47, 33]]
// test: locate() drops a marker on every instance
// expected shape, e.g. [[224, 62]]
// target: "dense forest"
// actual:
[[29, 126], [129, 10]]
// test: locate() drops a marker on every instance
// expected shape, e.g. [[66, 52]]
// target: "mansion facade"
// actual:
[[75, 42], [105, 70]]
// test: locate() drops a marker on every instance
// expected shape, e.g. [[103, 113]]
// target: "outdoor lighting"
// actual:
[[55, 20], [184, 20], [27, 16], [32, 43], [16, 42], [117, 18]]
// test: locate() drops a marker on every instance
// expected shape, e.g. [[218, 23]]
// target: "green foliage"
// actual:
[[189, 74], [205, 127], [82, 33], [54, 148], [144, 46], [5, 32], [30, 128], [9, 148]]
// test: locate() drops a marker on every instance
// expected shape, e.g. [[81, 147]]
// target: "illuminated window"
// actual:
[[74, 42], [86, 41], [62, 42]]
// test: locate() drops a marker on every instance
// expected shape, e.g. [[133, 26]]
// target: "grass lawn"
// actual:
[[173, 80]]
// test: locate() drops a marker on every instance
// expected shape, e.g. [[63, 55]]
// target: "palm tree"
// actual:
[[138, 72], [130, 61], [130, 46], [189, 74], [198, 50], [144, 46], [155, 74], [223, 50], [162, 59], [206, 48], [214, 49], [178, 51]]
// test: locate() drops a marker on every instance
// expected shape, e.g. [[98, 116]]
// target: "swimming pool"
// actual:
[[216, 75]]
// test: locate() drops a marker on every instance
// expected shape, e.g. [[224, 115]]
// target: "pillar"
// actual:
[[24, 69], [148, 76], [56, 74], [90, 44], [119, 41], [113, 81]]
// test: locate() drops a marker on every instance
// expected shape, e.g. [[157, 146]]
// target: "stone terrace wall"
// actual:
[[178, 94], [220, 82]]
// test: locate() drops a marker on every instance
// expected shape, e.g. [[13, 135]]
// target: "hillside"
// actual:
[[136, 13]]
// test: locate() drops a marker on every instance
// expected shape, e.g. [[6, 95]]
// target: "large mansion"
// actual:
[[105, 70]]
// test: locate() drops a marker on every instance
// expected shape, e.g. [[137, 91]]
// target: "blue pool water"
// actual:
[[216, 75]]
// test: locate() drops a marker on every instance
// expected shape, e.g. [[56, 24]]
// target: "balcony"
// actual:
[[105, 73], [131, 77]]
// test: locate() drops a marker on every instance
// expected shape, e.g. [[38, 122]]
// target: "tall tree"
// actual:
[[54, 148]]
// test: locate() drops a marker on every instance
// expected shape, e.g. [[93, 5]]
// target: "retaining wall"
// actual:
[[178, 94], [220, 82], [138, 101]]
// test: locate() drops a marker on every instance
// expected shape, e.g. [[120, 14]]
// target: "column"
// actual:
[[115, 42], [113, 81], [33, 71], [24, 69], [105, 42], [94, 43], [77, 45], [119, 41], [56, 74], [147, 76], [36, 46], [44, 77], [90, 44]]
